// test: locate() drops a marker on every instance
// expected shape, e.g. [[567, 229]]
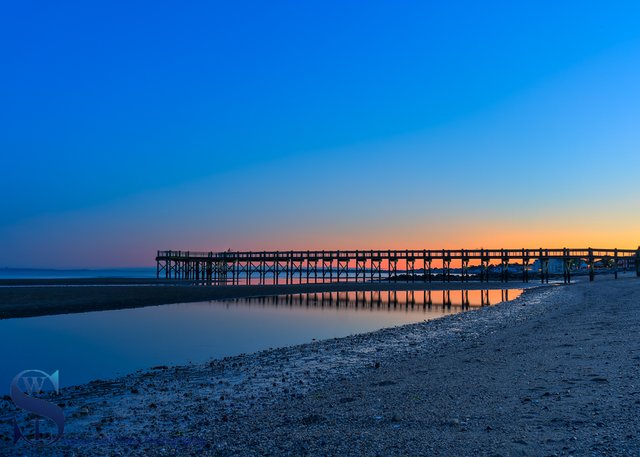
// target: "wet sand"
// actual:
[[27, 298], [554, 372]]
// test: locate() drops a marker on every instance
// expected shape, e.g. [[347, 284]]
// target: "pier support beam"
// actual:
[[484, 269], [343, 267], [361, 268], [505, 267], [312, 268], [209, 271], [327, 267], [544, 270], [411, 268], [427, 269], [393, 268], [464, 264], [446, 266], [566, 266], [376, 268]]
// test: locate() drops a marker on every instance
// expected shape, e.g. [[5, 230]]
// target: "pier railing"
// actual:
[[319, 266]]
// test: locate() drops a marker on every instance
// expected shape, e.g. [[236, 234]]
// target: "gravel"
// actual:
[[554, 372]]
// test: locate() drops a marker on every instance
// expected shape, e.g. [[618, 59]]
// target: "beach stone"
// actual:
[[562, 338], [311, 419]]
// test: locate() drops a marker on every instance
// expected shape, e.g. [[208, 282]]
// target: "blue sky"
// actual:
[[135, 126]]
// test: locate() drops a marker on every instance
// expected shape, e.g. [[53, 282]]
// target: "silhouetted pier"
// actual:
[[294, 267]]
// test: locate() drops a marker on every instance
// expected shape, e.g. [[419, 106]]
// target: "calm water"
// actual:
[[106, 344], [39, 273]]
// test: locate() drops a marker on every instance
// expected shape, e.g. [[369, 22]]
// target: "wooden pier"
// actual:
[[294, 267]]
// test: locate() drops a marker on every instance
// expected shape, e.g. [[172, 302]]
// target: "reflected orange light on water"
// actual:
[[401, 300]]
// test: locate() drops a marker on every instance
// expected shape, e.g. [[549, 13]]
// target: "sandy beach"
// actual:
[[30, 297], [551, 373]]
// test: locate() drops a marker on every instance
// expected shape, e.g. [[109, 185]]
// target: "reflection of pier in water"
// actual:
[[409, 300]]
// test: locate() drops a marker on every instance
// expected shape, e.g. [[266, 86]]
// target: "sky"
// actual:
[[131, 127]]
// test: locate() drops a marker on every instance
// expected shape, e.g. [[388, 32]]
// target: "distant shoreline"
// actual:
[[43, 297]]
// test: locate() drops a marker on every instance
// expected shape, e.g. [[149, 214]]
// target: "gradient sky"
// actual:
[[128, 127]]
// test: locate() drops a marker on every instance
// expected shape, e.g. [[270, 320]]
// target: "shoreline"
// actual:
[[32, 298], [238, 387], [550, 373]]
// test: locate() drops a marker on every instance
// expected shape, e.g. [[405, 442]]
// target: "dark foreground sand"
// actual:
[[28, 298], [555, 372]]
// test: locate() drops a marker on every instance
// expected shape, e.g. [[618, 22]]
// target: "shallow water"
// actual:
[[106, 344], [42, 273]]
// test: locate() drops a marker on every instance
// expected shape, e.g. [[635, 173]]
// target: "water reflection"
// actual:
[[105, 344], [411, 299]]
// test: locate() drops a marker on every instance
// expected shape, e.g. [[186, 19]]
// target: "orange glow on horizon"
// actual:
[[488, 237]]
